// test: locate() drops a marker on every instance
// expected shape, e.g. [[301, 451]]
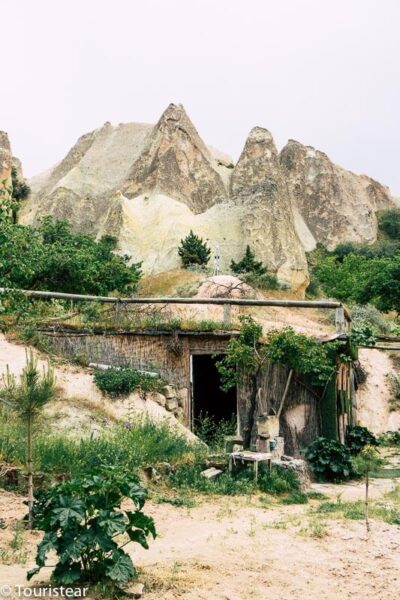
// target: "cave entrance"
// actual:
[[208, 400]]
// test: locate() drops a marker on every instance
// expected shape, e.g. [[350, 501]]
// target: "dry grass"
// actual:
[[169, 283]]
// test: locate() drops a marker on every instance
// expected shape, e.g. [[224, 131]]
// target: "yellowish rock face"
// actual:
[[150, 185]]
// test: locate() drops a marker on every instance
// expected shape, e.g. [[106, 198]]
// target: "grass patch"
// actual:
[[240, 482], [295, 497], [181, 501], [389, 512], [138, 444]]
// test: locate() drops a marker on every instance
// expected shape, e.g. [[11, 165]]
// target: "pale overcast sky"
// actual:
[[326, 73]]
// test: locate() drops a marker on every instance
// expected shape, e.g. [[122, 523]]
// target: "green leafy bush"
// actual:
[[358, 437], [389, 222], [86, 527], [363, 335], [213, 432], [193, 251], [53, 257], [121, 381], [329, 460]]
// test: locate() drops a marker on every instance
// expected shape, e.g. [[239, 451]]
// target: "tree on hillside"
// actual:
[[53, 257], [193, 251], [389, 222], [28, 398], [248, 264], [20, 191]]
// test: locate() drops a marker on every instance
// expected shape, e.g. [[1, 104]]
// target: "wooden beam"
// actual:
[[218, 301]]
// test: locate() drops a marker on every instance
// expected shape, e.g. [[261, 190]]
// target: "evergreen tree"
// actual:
[[248, 264], [193, 251]]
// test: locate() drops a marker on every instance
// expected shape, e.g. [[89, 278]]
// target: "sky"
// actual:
[[326, 73]]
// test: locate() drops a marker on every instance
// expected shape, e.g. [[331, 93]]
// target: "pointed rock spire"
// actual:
[[6, 160], [258, 165], [177, 163]]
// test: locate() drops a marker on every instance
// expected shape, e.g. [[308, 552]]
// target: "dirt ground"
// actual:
[[237, 549]]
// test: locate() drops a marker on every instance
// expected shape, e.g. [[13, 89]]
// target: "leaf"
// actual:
[[70, 511], [137, 535], [112, 523], [32, 572], [122, 570], [49, 542], [73, 549], [67, 574], [142, 521]]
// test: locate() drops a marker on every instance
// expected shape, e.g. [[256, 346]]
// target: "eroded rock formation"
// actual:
[[149, 185]]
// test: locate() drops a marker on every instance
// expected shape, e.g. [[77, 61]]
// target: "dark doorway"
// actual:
[[207, 397]]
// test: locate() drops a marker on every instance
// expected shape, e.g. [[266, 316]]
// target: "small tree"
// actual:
[[27, 398], [20, 191], [248, 264], [193, 251], [367, 461]]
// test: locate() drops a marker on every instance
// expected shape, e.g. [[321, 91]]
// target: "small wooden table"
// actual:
[[251, 457]]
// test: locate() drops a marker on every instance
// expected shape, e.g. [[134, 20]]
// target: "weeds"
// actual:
[[213, 432], [181, 501], [144, 442]]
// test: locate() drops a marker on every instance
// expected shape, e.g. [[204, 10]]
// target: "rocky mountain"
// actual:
[[148, 185], [336, 205], [6, 160]]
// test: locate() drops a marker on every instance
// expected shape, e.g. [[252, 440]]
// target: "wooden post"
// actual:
[[227, 314], [340, 320]]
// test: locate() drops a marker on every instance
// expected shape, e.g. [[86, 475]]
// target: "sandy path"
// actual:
[[236, 549]]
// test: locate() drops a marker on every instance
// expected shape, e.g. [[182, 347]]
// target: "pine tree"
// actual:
[[248, 264], [193, 251]]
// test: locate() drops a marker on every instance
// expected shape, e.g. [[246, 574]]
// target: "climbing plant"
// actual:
[[248, 353]]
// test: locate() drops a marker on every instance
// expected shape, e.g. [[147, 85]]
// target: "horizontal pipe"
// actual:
[[219, 301]]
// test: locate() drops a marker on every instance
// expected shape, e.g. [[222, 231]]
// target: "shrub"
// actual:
[[254, 272], [390, 438], [363, 335], [248, 264], [82, 520], [389, 222], [358, 437], [53, 257], [329, 460], [121, 381], [213, 432], [193, 251]]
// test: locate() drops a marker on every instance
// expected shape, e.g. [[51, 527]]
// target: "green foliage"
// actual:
[[181, 501], [329, 460], [121, 381], [389, 438], [247, 353], [213, 432], [302, 354], [389, 222], [86, 527], [254, 272], [359, 276], [363, 335], [358, 437], [133, 445], [52, 257], [28, 397], [20, 191], [367, 459], [369, 315], [193, 251], [241, 481], [295, 497], [248, 264]]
